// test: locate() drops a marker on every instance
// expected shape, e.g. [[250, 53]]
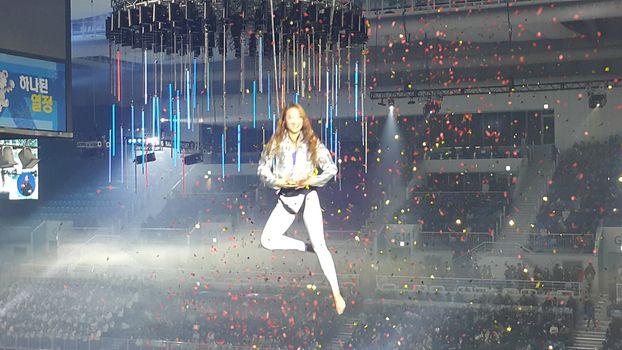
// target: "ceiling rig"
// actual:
[[311, 47], [192, 25]]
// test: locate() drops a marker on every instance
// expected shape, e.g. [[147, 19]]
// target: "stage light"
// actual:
[[252, 45], [597, 100], [123, 19], [153, 141], [431, 107], [145, 15], [133, 17], [546, 106]]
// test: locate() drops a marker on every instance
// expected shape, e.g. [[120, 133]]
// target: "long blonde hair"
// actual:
[[307, 131]]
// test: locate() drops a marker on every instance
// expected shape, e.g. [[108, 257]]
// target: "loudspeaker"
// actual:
[[193, 159], [149, 157]]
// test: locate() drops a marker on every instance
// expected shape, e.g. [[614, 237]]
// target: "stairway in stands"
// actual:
[[592, 339], [344, 333], [528, 197], [526, 203], [588, 340]]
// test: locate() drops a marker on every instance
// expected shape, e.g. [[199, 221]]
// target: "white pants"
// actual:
[[273, 235]]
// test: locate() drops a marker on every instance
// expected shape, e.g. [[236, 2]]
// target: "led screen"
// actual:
[[32, 94], [19, 168]]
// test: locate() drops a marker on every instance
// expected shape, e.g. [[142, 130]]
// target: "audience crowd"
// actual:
[[284, 320], [67, 309], [584, 189], [526, 272], [146, 312], [94, 310], [485, 327]]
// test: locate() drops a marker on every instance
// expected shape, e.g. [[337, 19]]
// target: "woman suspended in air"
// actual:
[[295, 163]]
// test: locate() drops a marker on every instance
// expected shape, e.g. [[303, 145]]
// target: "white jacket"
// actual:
[[293, 162]]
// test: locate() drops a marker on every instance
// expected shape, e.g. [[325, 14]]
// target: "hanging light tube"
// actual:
[[113, 128], [222, 154], [122, 155], [145, 75], [261, 64], [118, 75], [208, 85], [188, 97], [239, 147], [170, 106], [109, 158], [254, 104], [178, 127], [194, 86], [356, 91], [142, 129], [133, 129], [158, 121], [153, 116]]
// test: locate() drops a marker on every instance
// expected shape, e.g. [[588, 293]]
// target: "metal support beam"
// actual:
[[426, 94]]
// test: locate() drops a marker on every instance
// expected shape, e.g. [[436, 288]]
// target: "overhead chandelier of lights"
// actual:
[[309, 43], [193, 25]]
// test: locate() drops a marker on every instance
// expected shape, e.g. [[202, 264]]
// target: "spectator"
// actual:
[[613, 338], [590, 313], [589, 273]]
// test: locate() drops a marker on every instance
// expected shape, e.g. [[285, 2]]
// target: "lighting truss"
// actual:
[[432, 93]]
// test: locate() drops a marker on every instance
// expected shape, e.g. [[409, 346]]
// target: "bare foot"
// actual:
[[340, 303]]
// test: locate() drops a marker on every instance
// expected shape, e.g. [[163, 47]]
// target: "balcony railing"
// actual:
[[413, 284], [26, 343], [561, 242]]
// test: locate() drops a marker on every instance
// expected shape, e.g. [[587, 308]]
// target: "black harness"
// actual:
[[293, 192]]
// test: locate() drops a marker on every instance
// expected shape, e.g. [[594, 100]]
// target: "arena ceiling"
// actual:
[[557, 39]]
